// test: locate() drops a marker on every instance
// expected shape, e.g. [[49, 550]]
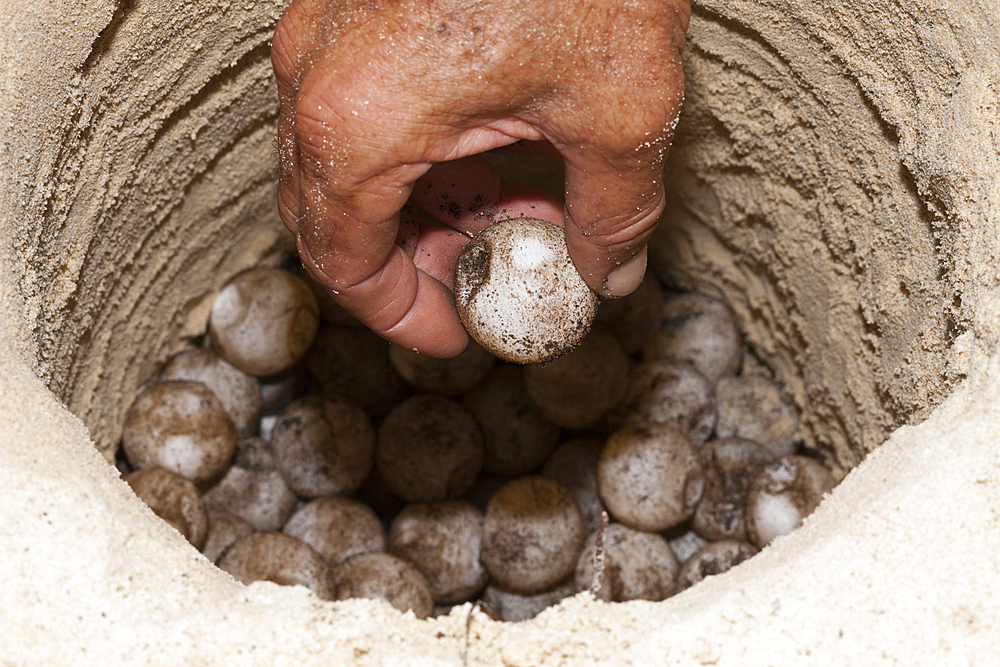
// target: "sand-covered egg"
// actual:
[[518, 293]]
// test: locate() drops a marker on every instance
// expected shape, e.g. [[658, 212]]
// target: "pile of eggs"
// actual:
[[297, 447]]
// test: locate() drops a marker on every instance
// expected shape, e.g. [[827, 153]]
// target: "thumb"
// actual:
[[612, 210]]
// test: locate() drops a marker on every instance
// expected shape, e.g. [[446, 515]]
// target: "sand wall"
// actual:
[[834, 178]]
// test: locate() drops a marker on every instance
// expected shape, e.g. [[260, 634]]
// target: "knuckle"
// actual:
[[625, 233], [288, 209], [284, 47], [323, 137], [625, 224]]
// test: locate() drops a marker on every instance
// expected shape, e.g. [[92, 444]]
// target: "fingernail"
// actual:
[[626, 278]]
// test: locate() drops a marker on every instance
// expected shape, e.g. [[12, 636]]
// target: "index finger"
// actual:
[[614, 129], [611, 211], [346, 236]]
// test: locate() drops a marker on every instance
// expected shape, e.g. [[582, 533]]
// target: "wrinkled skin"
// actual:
[[387, 101]]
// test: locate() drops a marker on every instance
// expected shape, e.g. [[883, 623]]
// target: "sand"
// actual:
[[834, 178]]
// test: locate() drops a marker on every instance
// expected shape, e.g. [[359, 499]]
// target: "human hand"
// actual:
[[385, 102]]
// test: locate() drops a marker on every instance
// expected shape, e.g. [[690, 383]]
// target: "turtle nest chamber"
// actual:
[[834, 179]]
